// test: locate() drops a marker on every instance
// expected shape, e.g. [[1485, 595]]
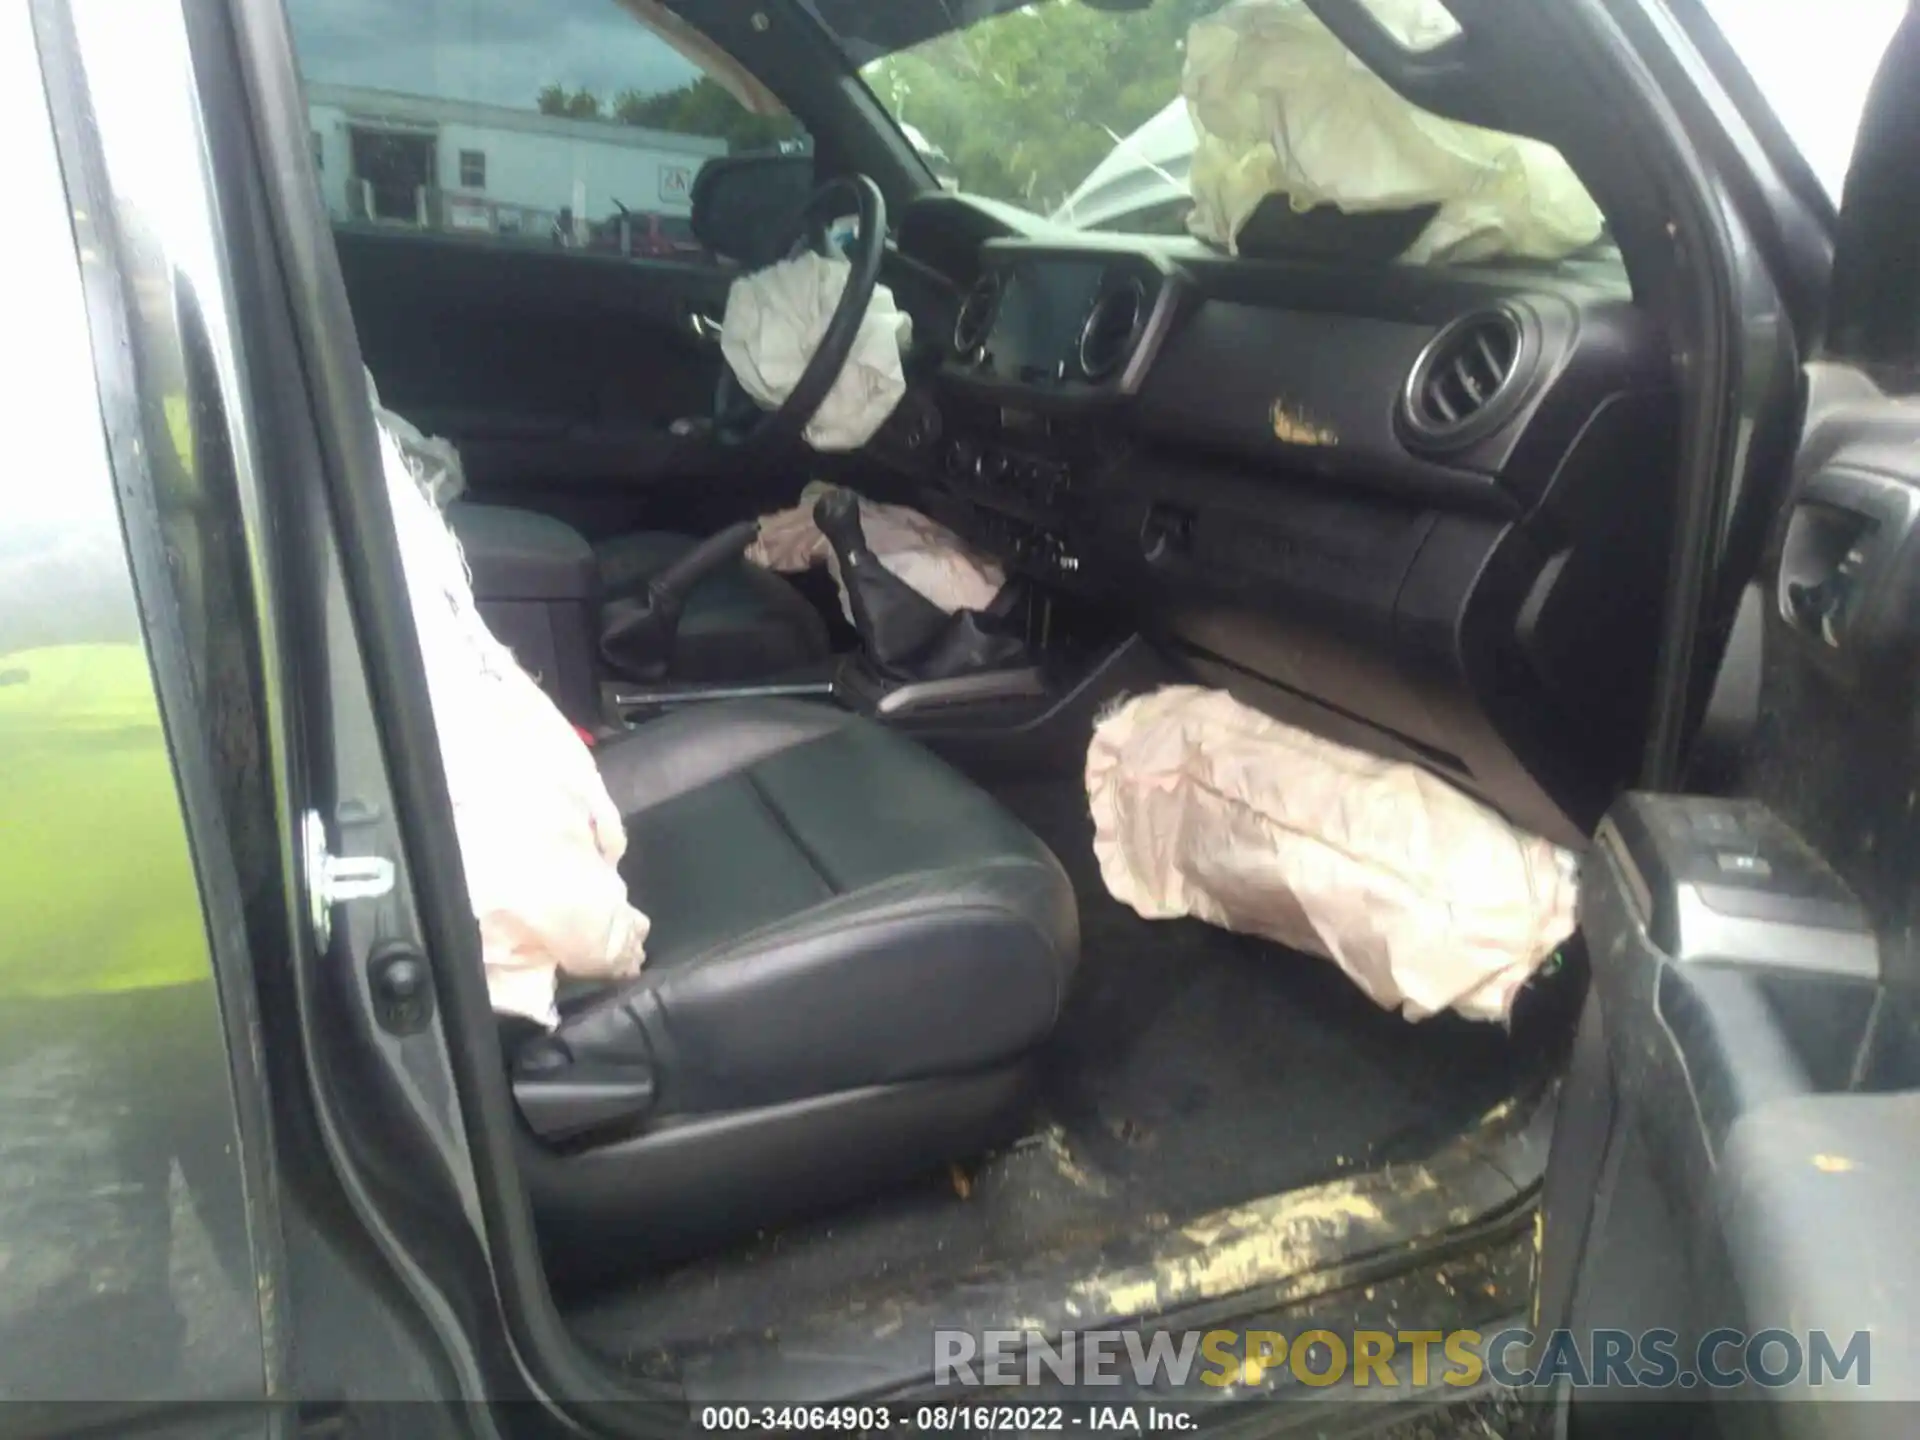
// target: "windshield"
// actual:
[[1248, 125], [1023, 106]]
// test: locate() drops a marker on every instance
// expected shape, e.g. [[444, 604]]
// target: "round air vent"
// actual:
[[978, 311], [1107, 339], [1468, 379]]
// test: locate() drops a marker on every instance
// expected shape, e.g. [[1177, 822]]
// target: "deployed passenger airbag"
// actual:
[[1281, 107], [1428, 900]]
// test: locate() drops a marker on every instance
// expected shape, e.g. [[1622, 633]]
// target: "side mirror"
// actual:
[[746, 207]]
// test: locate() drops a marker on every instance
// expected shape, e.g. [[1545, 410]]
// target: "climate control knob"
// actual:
[[990, 467]]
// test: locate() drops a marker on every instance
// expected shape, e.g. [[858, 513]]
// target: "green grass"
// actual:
[[97, 887]]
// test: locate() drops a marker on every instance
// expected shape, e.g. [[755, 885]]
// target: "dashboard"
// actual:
[[1422, 510]]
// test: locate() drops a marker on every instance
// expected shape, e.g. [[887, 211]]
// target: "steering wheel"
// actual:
[[737, 419]]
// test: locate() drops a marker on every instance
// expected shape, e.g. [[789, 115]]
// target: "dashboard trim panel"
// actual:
[[1244, 490]]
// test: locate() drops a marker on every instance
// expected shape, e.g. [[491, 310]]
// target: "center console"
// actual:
[[1006, 670], [1015, 483], [535, 586], [858, 687], [915, 658]]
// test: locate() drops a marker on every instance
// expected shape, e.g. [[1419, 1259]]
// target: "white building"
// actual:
[[438, 164]]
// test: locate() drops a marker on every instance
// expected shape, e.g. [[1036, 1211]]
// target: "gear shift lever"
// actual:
[[894, 621], [905, 636]]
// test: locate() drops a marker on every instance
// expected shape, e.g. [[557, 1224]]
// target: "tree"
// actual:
[[1026, 103], [575, 104], [704, 107]]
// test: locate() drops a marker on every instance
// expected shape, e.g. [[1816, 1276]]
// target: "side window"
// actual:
[[569, 124]]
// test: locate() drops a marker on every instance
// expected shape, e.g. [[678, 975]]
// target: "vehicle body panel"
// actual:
[[119, 1288]]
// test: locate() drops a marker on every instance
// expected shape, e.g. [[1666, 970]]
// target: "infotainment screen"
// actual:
[[1041, 311]]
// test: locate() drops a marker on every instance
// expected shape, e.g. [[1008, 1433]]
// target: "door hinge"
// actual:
[[332, 879]]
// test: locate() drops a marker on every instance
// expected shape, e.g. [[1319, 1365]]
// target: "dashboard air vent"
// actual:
[[978, 311], [1113, 324], [1467, 380]]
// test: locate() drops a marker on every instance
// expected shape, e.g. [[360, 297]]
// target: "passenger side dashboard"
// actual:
[[1424, 511]]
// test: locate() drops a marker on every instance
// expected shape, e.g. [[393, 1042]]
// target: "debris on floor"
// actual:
[[1495, 1414], [1194, 1070]]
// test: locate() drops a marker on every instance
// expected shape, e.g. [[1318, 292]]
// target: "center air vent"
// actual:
[[1107, 339], [1468, 379], [978, 311]]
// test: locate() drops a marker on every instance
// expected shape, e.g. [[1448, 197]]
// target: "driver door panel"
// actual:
[[558, 375], [511, 191]]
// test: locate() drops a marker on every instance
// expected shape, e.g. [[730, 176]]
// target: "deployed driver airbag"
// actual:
[[773, 323], [1428, 900]]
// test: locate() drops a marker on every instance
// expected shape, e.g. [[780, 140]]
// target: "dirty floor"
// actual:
[[1192, 1069]]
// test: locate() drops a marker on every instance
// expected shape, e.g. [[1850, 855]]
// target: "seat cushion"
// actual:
[[832, 906], [739, 623]]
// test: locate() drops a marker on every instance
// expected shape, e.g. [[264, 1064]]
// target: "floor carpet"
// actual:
[[1193, 1068]]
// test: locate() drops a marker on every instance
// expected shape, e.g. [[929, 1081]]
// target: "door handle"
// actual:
[[705, 328], [1846, 566], [1819, 602], [1166, 535]]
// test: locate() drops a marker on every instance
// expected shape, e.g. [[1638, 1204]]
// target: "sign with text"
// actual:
[[676, 184]]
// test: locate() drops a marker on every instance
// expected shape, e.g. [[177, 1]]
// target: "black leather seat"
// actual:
[[854, 952]]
